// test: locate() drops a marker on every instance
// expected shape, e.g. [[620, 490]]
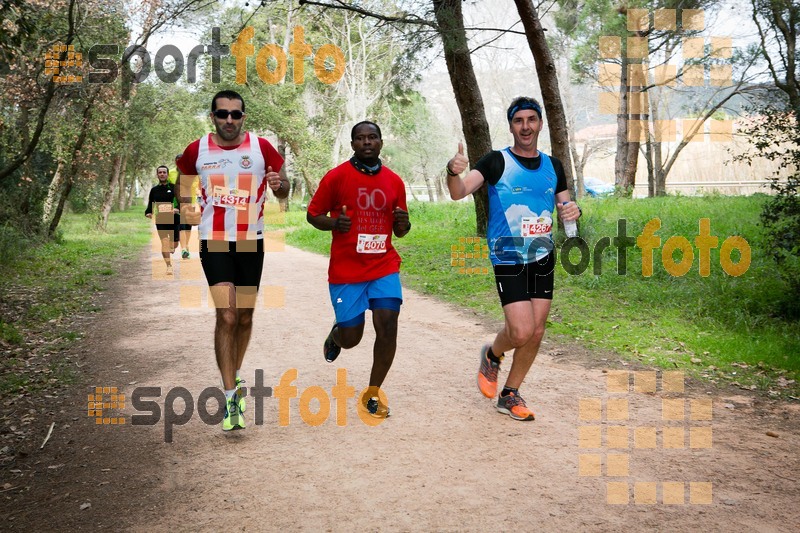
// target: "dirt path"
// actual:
[[445, 460]]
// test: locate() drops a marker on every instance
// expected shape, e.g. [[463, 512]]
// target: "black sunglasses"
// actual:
[[222, 114]]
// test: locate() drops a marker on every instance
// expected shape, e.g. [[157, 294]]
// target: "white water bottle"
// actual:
[[570, 226]]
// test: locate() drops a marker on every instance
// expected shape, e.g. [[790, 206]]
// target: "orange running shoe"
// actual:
[[487, 373], [514, 406]]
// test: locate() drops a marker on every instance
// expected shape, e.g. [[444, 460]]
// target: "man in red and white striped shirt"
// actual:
[[234, 169]]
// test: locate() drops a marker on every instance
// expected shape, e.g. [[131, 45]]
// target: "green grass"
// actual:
[[45, 284], [691, 321]]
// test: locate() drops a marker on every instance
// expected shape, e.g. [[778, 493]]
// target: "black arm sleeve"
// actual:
[[149, 209], [561, 178], [491, 166]]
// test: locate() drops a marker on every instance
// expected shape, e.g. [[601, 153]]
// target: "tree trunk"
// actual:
[[131, 192], [439, 182], [450, 21], [431, 190], [73, 167], [548, 83], [123, 192], [53, 190], [580, 163], [108, 198]]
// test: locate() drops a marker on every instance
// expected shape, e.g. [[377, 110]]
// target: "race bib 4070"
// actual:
[[371, 244]]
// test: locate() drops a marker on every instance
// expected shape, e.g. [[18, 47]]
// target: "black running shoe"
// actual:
[[330, 349], [377, 409]]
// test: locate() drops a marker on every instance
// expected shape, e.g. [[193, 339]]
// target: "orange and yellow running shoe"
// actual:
[[487, 373], [514, 406]]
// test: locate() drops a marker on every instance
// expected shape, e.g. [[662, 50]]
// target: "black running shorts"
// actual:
[[518, 283], [222, 262]]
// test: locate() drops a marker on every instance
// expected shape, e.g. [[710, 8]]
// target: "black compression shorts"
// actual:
[[517, 283], [223, 263]]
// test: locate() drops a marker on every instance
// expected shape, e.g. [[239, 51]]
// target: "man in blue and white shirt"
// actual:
[[524, 186]]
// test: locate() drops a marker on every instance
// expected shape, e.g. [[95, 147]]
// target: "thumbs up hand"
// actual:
[[342, 222], [459, 162], [273, 179]]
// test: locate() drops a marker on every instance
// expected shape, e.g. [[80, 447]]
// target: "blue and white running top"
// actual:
[[521, 206]]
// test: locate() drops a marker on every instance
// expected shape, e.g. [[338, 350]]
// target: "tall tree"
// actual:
[[548, 82]]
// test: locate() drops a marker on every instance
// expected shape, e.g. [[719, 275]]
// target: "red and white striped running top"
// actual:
[[232, 186]]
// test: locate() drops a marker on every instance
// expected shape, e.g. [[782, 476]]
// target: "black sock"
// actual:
[[492, 357], [509, 390]]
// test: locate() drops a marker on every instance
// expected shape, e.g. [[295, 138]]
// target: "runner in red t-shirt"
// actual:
[[368, 204]]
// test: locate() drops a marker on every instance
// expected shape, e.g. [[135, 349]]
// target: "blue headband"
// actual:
[[525, 104]]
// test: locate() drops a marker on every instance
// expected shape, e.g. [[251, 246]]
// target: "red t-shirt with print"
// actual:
[[364, 253]]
